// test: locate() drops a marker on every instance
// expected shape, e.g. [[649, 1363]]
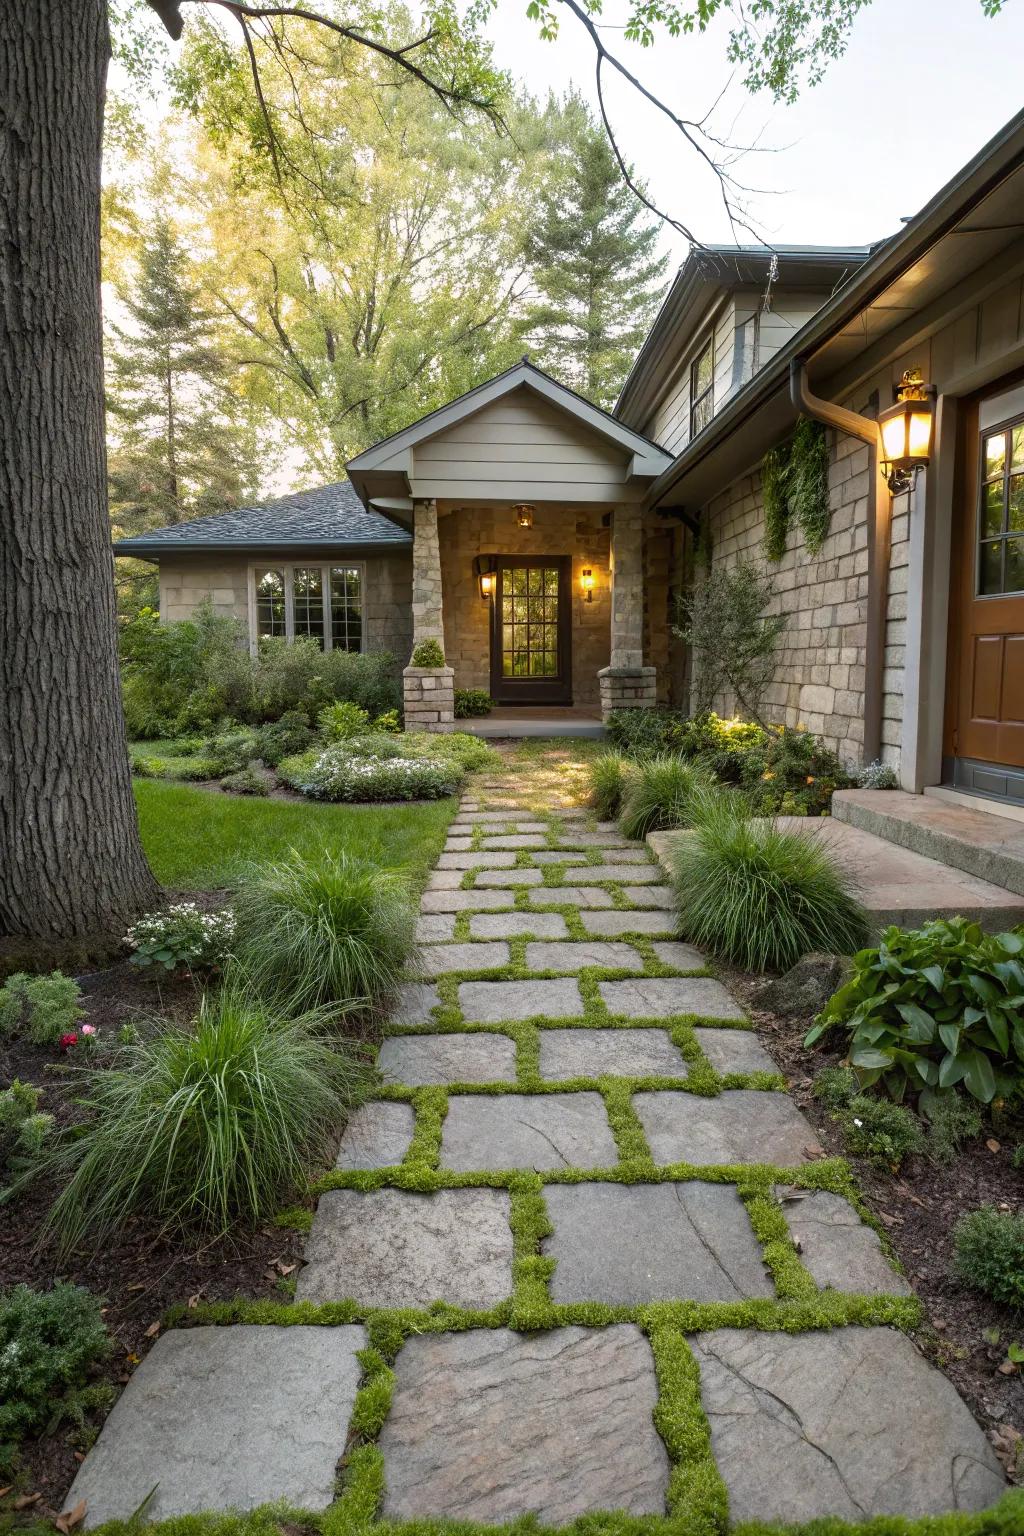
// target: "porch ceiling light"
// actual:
[[524, 514], [587, 583], [906, 429]]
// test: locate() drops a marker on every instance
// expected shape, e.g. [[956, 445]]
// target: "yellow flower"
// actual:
[[810, 778], [768, 775]]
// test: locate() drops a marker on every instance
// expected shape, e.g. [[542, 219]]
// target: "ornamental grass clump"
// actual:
[[198, 1128], [336, 931], [658, 795], [757, 895], [608, 776]]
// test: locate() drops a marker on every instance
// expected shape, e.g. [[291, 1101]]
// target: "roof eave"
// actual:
[[258, 546]]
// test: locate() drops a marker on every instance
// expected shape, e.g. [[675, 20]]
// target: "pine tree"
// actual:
[[179, 446], [594, 261]]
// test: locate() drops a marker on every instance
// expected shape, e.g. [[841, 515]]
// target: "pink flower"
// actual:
[[88, 1029], [66, 1041]]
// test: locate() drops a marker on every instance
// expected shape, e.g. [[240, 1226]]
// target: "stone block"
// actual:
[[575, 955], [439, 959], [662, 997], [741, 1125], [570, 1053], [518, 1130], [612, 924], [377, 1135], [514, 925], [495, 1002], [840, 1251], [412, 1005], [734, 1050], [419, 1060]]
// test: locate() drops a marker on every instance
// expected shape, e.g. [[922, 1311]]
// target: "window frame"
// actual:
[[707, 347], [1005, 429], [287, 569]]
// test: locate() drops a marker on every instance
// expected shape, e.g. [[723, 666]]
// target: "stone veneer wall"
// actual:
[[470, 531]]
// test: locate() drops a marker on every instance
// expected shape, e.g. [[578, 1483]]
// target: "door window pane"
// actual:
[[1015, 515], [1017, 444], [270, 613], [308, 602], [995, 455], [990, 573], [992, 509], [346, 608], [529, 614], [1014, 581]]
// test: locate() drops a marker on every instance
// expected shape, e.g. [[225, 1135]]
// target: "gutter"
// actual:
[[249, 547], [879, 542]]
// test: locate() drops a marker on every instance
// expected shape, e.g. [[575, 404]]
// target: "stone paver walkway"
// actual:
[[597, 1244]]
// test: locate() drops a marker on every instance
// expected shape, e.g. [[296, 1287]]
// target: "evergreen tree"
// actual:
[[594, 261], [179, 446]]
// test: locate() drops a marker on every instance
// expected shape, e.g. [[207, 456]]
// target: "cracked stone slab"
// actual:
[[509, 877], [571, 896], [662, 997], [523, 1130], [439, 959], [734, 1050], [476, 860], [464, 901], [850, 1423], [495, 1002], [624, 1245], [418, 1060], [741, 1125], [435, 928], [514, 925], [682, 957], [647, 873], [393, 1248], [610, 924], [377, 1135], [836, 1246], [648, 895], [413, 1002], [574, 955], [568, 1053], [491, 1425], [516, 840], [225, 1418]]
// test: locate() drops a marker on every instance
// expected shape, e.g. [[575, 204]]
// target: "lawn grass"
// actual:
[[197, 840]]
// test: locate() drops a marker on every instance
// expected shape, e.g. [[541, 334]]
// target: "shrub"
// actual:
[[471, 702], [732, 636], [608, 776], [757, 895], [338, 931], [203, 1127], [988, 1248], [880, 1130], [933, 1007], [835, 1087], [782, 770], [339, 774], [23, 1128], [338, 722], [639, 732], [952, 1123], [281, 738], [182, 936], [145, 767], [878, 775], [390, 722], [658, 795], [230, 752], [248, 781], [300, 676], [39, 1009], [470, 752], [428, 653], [48, 1342]]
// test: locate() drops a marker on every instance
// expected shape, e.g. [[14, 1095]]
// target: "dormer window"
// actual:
[[702, 388]]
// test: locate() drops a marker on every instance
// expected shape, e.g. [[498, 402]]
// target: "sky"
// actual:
[[923, 85]]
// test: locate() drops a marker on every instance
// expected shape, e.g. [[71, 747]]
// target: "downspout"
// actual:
[[879, 535]]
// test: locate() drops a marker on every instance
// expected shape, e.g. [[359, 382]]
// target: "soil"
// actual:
[[965, 1333]]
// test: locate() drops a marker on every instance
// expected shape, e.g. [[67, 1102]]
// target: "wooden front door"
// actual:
[[985, 695], [531, 659]]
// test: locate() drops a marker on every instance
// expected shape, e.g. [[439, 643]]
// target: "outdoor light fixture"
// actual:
[[484, 567], [907, 431], [587, 583], [524, 514]]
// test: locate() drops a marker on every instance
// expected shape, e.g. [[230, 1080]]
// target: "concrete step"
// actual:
[[977, 841]]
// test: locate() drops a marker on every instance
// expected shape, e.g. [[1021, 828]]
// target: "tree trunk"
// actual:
[[71, 862]]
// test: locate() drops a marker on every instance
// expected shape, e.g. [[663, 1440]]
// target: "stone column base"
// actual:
[[627, 688], [429, 698]]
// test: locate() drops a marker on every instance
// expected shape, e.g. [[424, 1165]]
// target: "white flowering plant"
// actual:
[[339, 774], [183, 936]]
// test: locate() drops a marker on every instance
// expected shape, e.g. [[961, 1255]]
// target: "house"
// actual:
[[544, 542]]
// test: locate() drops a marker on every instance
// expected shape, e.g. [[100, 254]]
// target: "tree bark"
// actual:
[[71, 861]]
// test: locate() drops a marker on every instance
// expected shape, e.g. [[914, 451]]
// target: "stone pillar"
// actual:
[[428, 692], [626, 683]]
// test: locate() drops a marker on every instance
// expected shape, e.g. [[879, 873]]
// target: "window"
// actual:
[[321, 602], [702, 389], [1001, 512]]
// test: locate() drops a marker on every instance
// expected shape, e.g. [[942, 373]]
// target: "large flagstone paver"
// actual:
[[413, 1003], [850, 1423], [514, 925], [623, 1244], [741, 1125], [548, 856], [435, 927], [661, 997], [836, 1246], [417, 1060], [574, 956], [225, 1418], [481, 860], [627, 856], [568, 1053], [682, 957], [524, 1130], [439, 959], [504, 878], [648, 895], [570, 896], [515, 840], [734, 1050], [444, 880], [494, 1002], [610, 924], [377, 1135], [393, 1248], [465, 901], [490, 1425], [590, 874]]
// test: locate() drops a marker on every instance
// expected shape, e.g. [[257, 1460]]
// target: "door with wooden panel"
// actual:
[[531, 656], [986, 698]]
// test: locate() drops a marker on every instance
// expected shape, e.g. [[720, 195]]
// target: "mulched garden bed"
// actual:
[[918, 1209]]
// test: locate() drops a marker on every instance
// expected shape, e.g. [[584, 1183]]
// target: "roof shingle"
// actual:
[[326, 515]]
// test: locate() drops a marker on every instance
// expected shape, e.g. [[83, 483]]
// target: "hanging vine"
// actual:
[[775, 493], [808, 482]]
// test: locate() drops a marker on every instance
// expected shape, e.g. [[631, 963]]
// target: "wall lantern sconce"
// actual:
[[485, 568], [906, 429], [587, 583], [524, 514]]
